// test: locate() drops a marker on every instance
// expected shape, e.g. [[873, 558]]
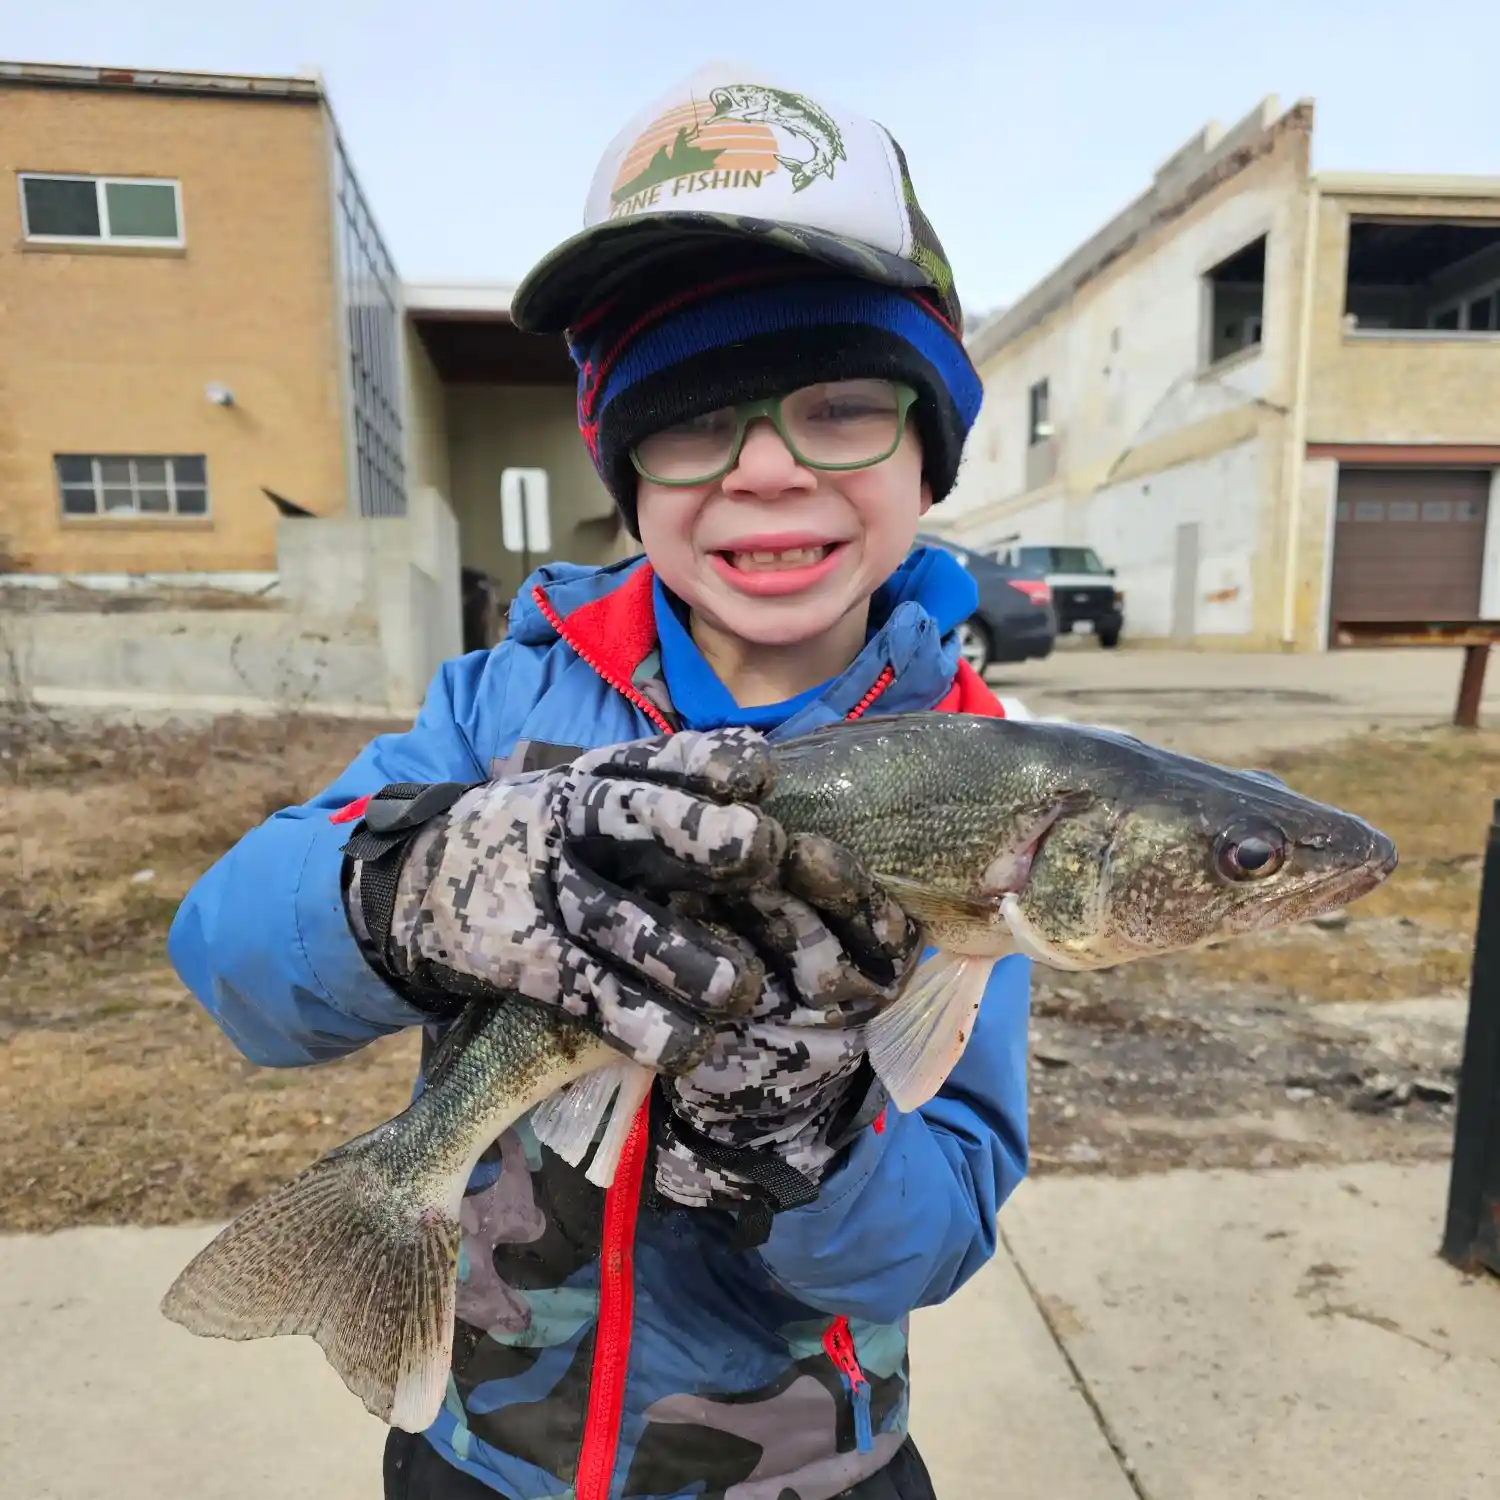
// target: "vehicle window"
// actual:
[[1062, 559]]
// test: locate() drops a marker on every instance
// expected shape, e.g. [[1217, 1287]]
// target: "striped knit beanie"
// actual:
[[760, 325]]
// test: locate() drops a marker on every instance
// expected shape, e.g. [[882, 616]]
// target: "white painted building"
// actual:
[[1270, 400]]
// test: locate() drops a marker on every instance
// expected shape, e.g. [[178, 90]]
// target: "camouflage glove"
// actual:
[[786, 1087], [528, 885]]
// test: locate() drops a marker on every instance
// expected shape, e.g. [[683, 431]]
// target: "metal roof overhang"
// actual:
[[467, 332]]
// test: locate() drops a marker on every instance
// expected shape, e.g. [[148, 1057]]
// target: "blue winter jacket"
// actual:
[[606, 1348]]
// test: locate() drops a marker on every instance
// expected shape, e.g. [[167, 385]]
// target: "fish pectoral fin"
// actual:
[[569, 1121], [914, 1044], [634, 1086], [933, 906], [299, 1262]]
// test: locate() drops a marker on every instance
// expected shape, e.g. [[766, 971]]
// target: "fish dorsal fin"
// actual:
[[915, 1043]]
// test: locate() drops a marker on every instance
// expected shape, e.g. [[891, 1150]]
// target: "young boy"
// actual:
[[773, 386]]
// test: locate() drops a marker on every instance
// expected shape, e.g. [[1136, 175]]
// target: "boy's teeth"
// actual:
[[793, 557]]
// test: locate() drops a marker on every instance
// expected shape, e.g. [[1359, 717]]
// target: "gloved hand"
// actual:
[[784, 1087], [529, 884]]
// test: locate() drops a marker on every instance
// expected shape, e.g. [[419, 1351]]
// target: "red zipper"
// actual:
[[838, 1344], [625, 689], [601, 1431], [612, 1329]]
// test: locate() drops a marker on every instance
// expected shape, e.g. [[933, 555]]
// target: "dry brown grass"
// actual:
[[1432, 793], [121, 1101]]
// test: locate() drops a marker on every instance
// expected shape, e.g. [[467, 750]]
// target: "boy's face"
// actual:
[[775, 554]]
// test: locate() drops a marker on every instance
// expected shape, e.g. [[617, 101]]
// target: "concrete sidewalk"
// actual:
[[1196, 1336], [1228, 703], [1288, 1335]]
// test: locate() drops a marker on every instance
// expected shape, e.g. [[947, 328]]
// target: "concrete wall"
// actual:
[[214, 661], [108, 350], [1150, 434], [492, 428], [396, 575], [1134, 525], [1389, 386], [363, 615], [1319, 486], [426, 417]]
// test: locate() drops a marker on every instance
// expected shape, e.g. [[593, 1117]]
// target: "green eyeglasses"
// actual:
[[840, 424]]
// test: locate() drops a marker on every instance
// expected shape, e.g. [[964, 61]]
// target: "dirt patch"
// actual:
[[120, 1101], [1245, 1053]]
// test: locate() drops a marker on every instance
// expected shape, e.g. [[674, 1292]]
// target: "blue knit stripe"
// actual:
[[807, 305]]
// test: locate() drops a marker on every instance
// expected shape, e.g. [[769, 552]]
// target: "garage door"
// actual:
[[1408, 544]]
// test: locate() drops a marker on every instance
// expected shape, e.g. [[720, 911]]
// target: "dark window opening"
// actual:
[[1039, 425], [63, 206], [1236, 301], [1416, 274]]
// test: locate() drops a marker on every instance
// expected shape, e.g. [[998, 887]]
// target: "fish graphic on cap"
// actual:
[[756, 104]]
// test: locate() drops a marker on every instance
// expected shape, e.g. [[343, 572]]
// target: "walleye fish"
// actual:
[[1082, 848]]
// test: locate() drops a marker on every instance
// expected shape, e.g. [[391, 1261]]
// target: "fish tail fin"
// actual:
[[570, 1119], [916, 1042], [344, 1255]]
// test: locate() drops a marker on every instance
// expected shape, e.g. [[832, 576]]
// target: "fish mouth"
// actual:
[[1333, 893], [1378, 865]]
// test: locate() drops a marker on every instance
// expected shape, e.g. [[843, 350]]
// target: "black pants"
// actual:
[[415, 1471]]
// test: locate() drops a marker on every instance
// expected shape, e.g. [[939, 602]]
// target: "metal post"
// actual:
[[1471, 686], [1472, 1237], [526, 540]]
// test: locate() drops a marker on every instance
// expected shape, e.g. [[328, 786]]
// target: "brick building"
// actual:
[[196, 309], [204, 332], [1269, 398]]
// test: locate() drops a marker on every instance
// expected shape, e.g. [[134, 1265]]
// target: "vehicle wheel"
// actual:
[[1109, 639], [974, 644]]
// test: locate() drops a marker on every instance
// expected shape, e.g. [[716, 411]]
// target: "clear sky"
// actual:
[[475, 127]]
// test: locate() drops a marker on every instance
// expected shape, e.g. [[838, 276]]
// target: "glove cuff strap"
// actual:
[[374, 854], [773, 1184]]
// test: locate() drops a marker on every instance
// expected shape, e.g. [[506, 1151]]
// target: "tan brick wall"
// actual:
[[106, 351], [1375, 388]]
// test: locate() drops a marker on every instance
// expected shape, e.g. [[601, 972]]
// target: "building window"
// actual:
[[1038, 422], [1469, 313], [1428, 275], [131, 487], [370, 292], [1237, 302], [107, 210]]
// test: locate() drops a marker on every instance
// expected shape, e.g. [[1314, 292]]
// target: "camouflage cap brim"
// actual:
[[594, 263]]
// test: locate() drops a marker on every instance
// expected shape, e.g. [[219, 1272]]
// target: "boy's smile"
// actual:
[[774, 555], [778, 563]]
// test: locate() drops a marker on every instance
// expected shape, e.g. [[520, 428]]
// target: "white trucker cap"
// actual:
[[730, 154]]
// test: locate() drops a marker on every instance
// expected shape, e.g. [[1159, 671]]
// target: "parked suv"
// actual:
[[1084, 598], [1014, 621]]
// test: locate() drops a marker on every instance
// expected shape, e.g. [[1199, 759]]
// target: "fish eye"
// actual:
[[1250, 853]]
